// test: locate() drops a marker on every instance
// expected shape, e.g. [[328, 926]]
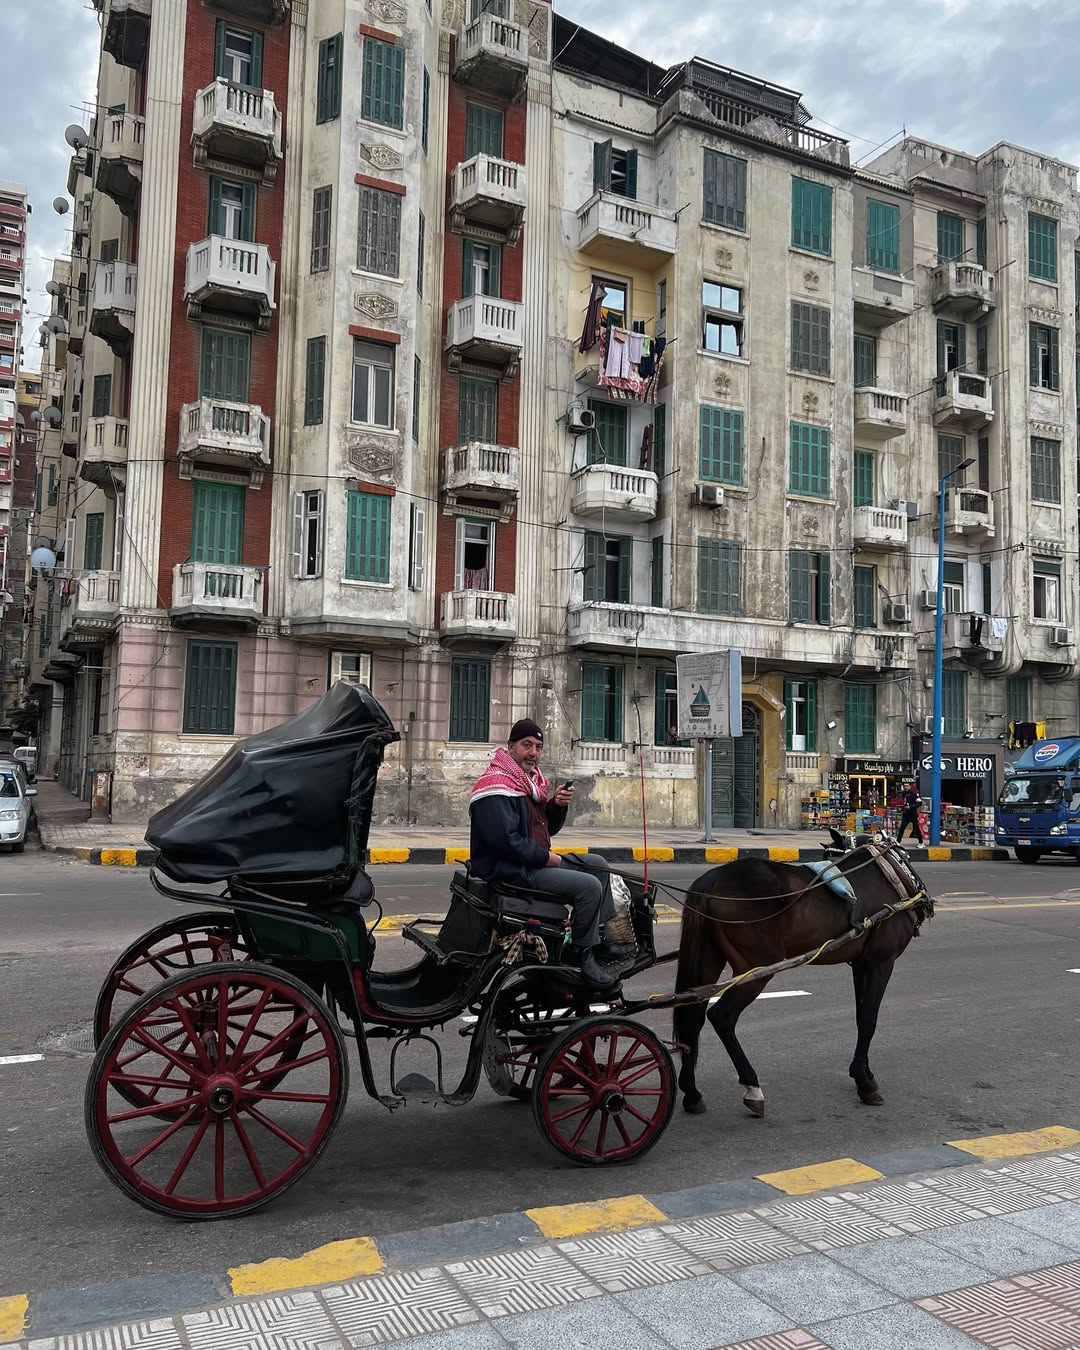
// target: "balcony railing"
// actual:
[[485, 328], [877, 527], [492, 54], [230, 274], [478, 615], [802, 761], [127, 30], [207, 591], [966, 287], [626, 229], [112, 304], [612, 489], [881, 298], [480, 469], [218, 431], [234, 121], [963, 401], [88, 609], [880, 413], [119, 173], [104, 451], [489, 192], [969, 512]]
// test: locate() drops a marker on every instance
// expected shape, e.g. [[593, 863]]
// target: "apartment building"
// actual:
[[14, 209]]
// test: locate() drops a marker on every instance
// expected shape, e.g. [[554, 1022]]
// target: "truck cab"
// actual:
[[1038, 810]]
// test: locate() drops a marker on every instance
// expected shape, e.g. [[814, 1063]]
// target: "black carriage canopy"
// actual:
[[277, 805]]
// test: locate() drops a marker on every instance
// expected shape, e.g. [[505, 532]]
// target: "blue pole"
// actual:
[[939, 621]]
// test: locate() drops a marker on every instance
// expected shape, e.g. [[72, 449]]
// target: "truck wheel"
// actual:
[[1028, 855]]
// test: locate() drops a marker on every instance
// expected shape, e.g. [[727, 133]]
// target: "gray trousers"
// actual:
[[581, 881]]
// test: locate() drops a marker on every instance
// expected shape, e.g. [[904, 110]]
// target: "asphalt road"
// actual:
[[978, 1034]]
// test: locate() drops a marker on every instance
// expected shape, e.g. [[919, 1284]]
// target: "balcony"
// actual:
[[105, 452], [255, 11], [883, 651], [610, 489], [231, 276], [881, 298], [492, 56], [216, 593], [77, 335], [969, 513], [628, 232], [237, 123], [127, 30], [875, 527], [962, 402], [489, 193], [234, 435], [485, 329], [478, 617], [88, 610], [119, 173], [76, 169], [966, 288], [880, 414], [482, 471], [69, 441], [112, 304]]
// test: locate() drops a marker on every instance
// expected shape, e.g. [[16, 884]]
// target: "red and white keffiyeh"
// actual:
[[504, 777]]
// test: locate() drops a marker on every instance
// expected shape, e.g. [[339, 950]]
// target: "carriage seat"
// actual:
[[511, 902], [338, 892]]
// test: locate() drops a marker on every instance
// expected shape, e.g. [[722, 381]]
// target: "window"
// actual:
[[420, 244], [865, 361], [809, 460], [483, 130], [724, 190], [481, 268], [984, 463], [615, 170], [224, 364], [1042, 247], [656, 571], [800, 715], [478, 406], [378, 237], [1043, 350], [661, 307], [607, 564], [314, 381], [217, 523], [1045, 470], [328, 87], [601, 703], [474, 559], [1018, 698], [865, 597], [383, 96], [470, 699], [950, 237], [321, 203], [417, 546], [954, 702], [863, 478], [954, 586], [307, 543], [367, 536], [810, 338], [1046, 590], [416, 399], [210, 689], [809, 587], [860, 719], [720, 445], [951, 344], [950, 455], [721, 319], [232, 209], [719, 577], [660, 440], [666, 709], [425, 113], [238, 55], [811, 216], [93, 540], [987, 570], [614, 307], [350, 668], [980, 241], [607, 442], [110, 250], [982, 355], [373, 383], [882, 236], [102, 395], [478, 7]]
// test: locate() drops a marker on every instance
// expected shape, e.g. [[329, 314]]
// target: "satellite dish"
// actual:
[[6, 598], [53, 415], [56, 324], [61, 206], [76, 137], [20, 420], [35, 416], [43, 559], [53, 288]]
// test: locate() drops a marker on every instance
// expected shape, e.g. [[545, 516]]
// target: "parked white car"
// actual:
[[15, 808]]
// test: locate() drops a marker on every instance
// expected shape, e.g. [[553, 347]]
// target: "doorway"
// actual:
[[735, 790]]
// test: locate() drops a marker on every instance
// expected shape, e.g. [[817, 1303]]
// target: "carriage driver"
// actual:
[[512, 820]]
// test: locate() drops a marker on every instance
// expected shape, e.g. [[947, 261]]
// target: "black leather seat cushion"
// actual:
[[523, 906]]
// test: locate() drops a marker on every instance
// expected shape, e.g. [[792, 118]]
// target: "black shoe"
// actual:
[[592, 972], [616, 953]]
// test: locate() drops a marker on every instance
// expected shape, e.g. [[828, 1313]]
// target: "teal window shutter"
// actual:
[[210, 689], [601, 703], [950, 237], [811, 716], [664, 685], [592, 577], [314, 381], [720, 445], [809, 460], [631, 174], [865, 361], [383, 94], [1042, 247], [220, 73], [328, 86], [470, 699], [607, 442], [882, 236], [811, 216], [601, 166], [860, 719], [467, 276], [425, 115], [478, 404], [217, 523], [660, 440], [724, 190], [215, 223], [864, 475], [865, 597], [656, 571], [789, 714], [824, 588], [719, 577], [256, 59], [367, 546], [247, 213], [799, 575], [93, 540], [224, 364], [954, 702], [1018, 698], [102, 395], [625, 557], [484, 129], [980, 241]]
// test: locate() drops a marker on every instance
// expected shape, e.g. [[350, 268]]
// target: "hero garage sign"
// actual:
[[963, 766]]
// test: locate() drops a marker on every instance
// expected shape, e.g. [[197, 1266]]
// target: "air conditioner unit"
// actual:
[[906, 508], [580, 419], [709, 494], [1061, 637], [896, 612], [928, 599], [928, 725]]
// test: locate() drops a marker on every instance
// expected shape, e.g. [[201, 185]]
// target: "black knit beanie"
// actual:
[[526, 727]]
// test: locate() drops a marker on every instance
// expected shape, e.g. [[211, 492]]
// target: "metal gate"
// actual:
[[736, 776]]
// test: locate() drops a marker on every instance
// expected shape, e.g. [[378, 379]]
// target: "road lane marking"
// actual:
[[820, 1177], [993, 1146], [20, 1059], [16, 895], [1073, 970]]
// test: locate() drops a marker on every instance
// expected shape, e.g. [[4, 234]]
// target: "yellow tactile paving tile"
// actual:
[[12, 1315], [600, 1216], [323, 1265], [991, 1146], [820, 1176]]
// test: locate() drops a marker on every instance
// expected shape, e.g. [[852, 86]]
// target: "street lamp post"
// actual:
[[939, 634]]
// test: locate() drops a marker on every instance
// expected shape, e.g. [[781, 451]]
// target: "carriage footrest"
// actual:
[[426, 941], [415, 1087]]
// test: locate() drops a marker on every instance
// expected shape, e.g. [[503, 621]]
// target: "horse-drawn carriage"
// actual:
[[221, 1069]]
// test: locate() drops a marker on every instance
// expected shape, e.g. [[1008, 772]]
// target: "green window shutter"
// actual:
[[367, 546], [93, 540], [950, 237], [709, 175], [328, 89], [607, 440], [484, 130], [215, 224], [592, 578], [256, 60], [220, 72], [314, 381], [860, 719], [631, 175], [470, 700], [789, 714], [1034, 373], [730, 578], [799, 574], [247, 213], [663, 681], [625, 559], [954, 702], [724, 190], [656, 572], [865, 597], [980, 241], [809, 460], [382, 98], [1018, 698], [1042, 247], [982, 358], [592, 702], [1055, 368], [224, 364], [824, 585], [865, 361], [811, 716], [660, 440], [883, 236], [102, 395], [601, 166], [466, 268], [811, 216], [864, 478], [416, 400], [495, 270], [708, 576], [425, 115], [477, 410], [217, 523], [210, 689]]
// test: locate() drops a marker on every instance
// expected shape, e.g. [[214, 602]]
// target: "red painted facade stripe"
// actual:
[[378, 489], [365, 181], [374, 334], [366, 30]]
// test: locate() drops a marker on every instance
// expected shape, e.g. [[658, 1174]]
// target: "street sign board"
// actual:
[[710, 695]]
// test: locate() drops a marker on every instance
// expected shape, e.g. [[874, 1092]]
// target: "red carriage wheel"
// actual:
[[604, 1091], [242, 1123], [522, 1026]]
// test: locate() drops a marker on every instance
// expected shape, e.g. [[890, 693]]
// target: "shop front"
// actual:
[[875, 784], [972, 772]]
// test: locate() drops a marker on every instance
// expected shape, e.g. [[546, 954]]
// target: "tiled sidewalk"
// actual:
[[967, 1256]]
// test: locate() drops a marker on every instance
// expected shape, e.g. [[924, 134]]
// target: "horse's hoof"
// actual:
[[872, 1098], [756, 1108], [694, 1108]]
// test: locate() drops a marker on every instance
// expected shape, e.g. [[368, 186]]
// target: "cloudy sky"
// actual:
[[965, 72]]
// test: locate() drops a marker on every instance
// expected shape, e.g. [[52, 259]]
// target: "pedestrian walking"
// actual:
[[910, 816]]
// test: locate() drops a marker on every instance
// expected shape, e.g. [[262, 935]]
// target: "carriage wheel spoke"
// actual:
[[624, 1063], [645, 1120], [245, 1036], [189, 1066], [180, 1104], [269, 1096], [601, 1134], [622, 1130], [583, 1127], [249, 1151], [194, 1038], [643, 1072], [187, 1155], [284, 1069], [571, 1111], [165, 1135], [275, 1043], [273, 1127], [219, 1159]]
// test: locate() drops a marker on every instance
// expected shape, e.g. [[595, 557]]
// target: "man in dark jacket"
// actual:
[[910, 816], [512, 818]]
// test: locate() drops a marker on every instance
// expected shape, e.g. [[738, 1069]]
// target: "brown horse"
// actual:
[[753, 913]]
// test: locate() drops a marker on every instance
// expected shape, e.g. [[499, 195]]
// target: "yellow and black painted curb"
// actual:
[[42, 1315]]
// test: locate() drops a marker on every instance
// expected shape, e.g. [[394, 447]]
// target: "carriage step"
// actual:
[[415, 1087]]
